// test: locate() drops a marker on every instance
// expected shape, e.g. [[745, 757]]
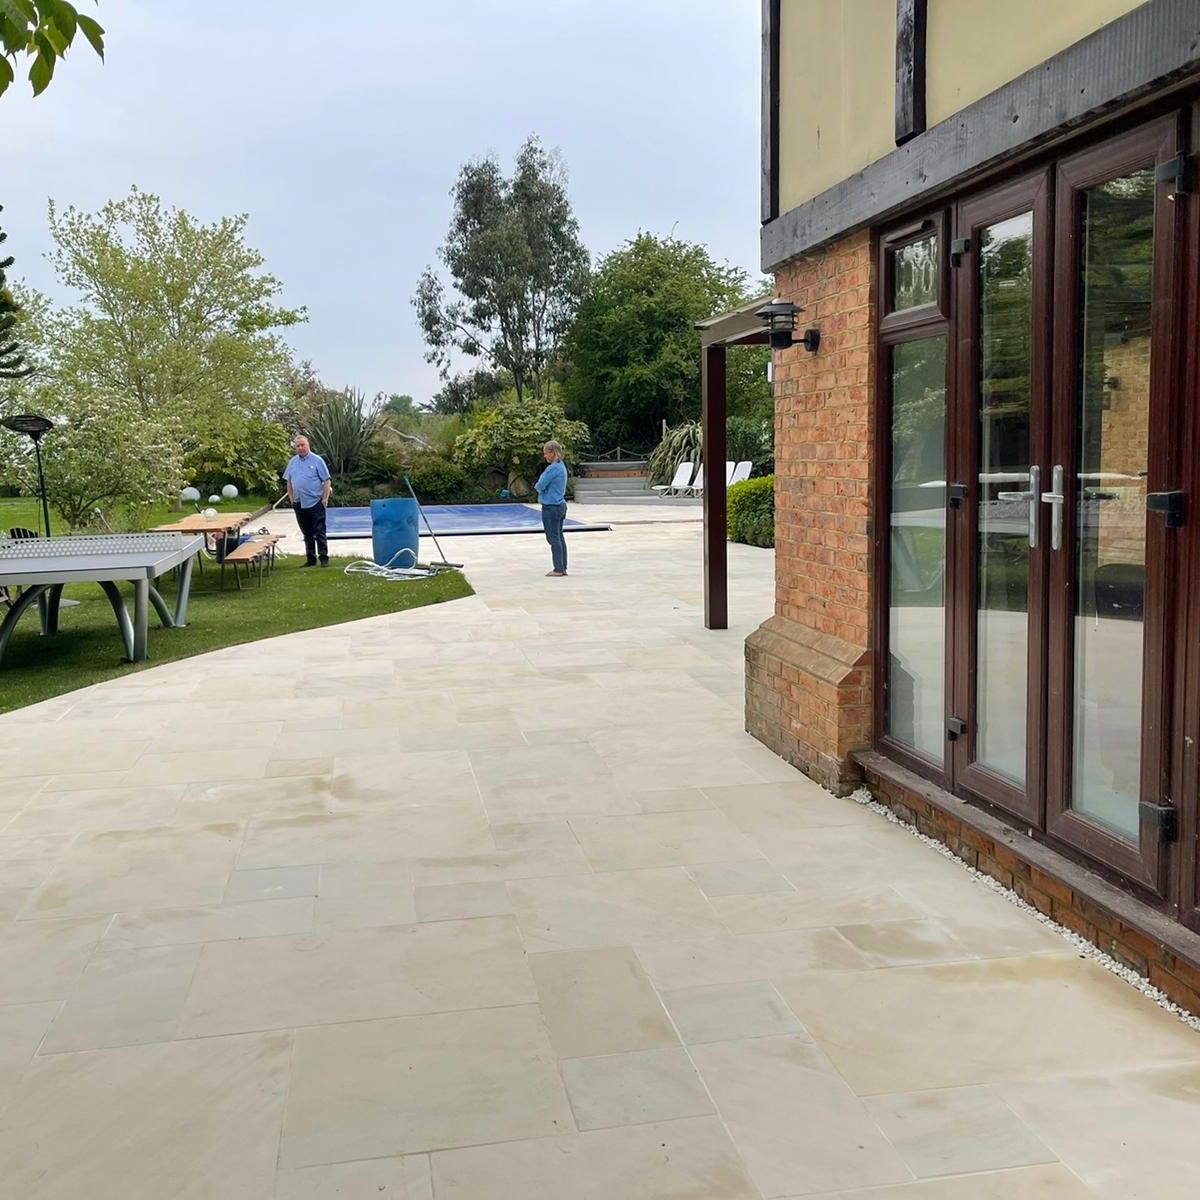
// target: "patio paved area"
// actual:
[[496, 900]]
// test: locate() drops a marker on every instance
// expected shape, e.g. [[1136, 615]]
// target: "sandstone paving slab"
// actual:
[[116, 870], [383, 1088], [615, 908], [956, 1131], [403, 1178], [996, 1019], [1030, 1183], [41, 960], [795, 1120], [730, 1012], [638, 1088], [188, 1120], [693, 1158], [356, 975], [599, 1002]]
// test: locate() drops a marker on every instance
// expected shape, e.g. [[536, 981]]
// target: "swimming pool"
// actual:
[[450, 520]]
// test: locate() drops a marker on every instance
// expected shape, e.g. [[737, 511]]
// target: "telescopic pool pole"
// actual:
[[445, 561]]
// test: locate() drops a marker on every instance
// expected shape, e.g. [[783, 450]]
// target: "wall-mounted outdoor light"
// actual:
[[779, 316]]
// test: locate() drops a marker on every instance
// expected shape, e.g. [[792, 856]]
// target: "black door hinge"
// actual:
[[1176, 171], [1162, 817], [1172, 505], [956, 493], [958, 248], [955, 728]]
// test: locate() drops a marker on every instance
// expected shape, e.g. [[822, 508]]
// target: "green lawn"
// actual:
[[24, 511], [88, 647]]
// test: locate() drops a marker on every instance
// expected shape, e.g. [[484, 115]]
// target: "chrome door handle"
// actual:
[[1035, 483], [1056, 499]]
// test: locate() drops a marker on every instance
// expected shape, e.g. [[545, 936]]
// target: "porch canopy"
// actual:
[[739, 327]]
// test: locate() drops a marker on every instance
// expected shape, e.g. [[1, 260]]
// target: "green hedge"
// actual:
[[751, 512]]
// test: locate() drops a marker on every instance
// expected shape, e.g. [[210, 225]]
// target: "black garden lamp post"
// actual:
[[35, 427]]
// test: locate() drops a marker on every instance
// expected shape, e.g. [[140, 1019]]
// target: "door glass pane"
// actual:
[[1002, 582], [1117, 242], [917, 627], [915, 274]]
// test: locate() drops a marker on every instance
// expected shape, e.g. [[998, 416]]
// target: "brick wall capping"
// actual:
[[1093, 898]]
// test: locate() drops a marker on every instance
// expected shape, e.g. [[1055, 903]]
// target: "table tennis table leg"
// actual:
[[50, 605], [122, 614], [141, 620], [29, 596], [184, 590]]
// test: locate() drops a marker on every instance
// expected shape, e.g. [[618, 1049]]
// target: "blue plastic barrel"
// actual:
[[395, 526]]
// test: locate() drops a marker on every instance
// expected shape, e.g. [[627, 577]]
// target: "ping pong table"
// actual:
[[42, 567]]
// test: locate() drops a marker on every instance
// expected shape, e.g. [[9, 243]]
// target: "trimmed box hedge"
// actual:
[[751, 512]]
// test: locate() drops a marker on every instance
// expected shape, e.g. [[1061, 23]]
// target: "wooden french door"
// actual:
[[1065, 481], [1000, 448], [1113, 498]]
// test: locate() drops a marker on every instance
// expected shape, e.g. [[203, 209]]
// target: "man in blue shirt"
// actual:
[[552, 492], [308, 488]]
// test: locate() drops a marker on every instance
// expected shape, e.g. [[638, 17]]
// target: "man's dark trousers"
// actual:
[[312, 525]]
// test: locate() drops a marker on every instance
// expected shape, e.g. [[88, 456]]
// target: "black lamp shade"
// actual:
[[28, 423]]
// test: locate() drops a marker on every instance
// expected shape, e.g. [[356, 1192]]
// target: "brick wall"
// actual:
[[808, 675]]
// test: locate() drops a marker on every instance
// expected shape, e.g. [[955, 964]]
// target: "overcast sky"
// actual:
[[340, 130]]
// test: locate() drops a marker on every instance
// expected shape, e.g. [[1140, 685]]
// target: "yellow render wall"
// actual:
[[837, 92], [975, 46], [837, 66]]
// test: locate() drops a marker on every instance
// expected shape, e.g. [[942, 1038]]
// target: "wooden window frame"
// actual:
[[894, 328]]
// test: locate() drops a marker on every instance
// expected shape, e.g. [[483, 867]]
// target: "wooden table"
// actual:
[[229, 522], [220, 528]]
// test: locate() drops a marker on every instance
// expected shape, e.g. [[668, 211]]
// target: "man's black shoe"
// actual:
[[324, 562], [309, 564]]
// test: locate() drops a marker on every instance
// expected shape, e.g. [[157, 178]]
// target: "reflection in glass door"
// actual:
[[1008, 481], [1111, 465]]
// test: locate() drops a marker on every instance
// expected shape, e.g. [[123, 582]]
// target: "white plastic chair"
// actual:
[[729, 469], [696, 488], [682, 479], [741, 472]]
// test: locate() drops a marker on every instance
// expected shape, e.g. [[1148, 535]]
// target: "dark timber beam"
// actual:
[[716, 550], [770, 109], [910, 69], [1151, 47]]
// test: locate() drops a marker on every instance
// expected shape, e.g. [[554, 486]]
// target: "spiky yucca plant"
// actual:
[[343, 428], [681, 444]]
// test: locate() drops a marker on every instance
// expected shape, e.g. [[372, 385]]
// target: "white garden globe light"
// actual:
[[229, 491], [214, 499], [210, 514], [190, 494]]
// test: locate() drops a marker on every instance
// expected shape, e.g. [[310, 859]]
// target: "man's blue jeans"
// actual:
[[553, 516]]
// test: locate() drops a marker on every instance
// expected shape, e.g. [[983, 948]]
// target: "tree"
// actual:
[[633, 355], [98, 455], [508, 437], [466, 392], [517, 265], [12, 358], [177, 317], [42, 30]]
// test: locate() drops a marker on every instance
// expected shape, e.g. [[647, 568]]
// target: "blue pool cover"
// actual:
[[448, 520]]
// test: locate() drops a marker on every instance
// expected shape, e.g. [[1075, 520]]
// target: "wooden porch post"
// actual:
[[716, 553]]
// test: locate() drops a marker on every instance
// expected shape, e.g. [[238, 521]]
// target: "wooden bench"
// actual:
[[257, 550]]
